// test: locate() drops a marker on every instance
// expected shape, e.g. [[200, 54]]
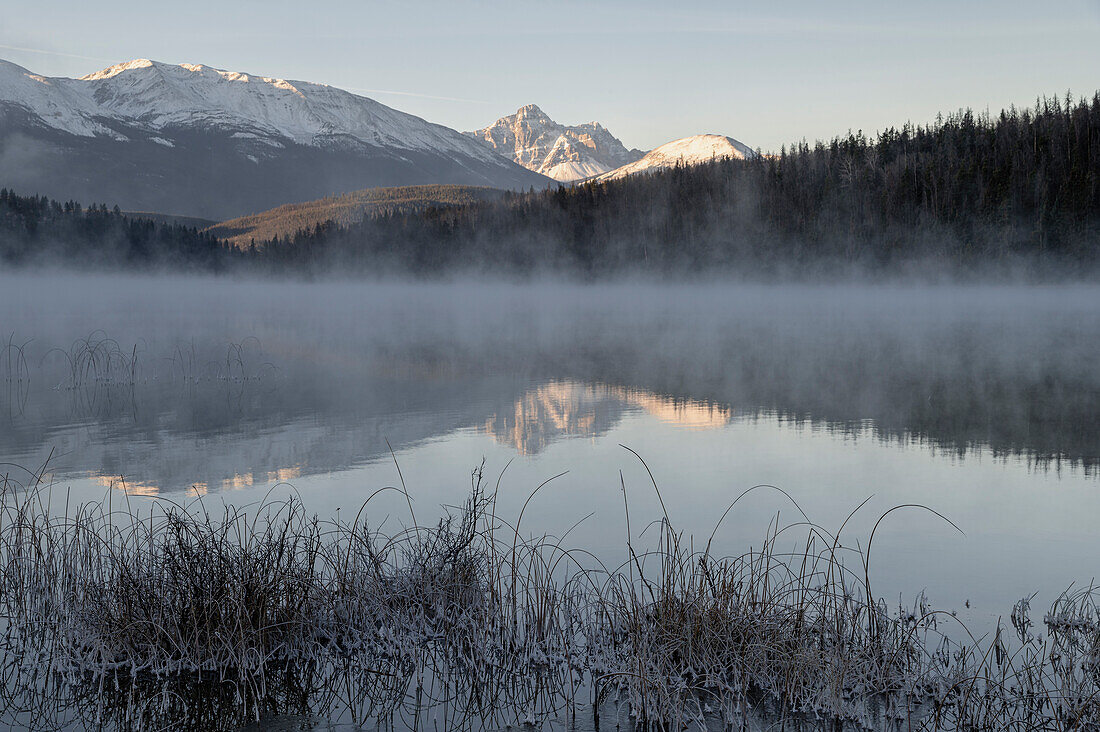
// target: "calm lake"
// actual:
[[979, 402]]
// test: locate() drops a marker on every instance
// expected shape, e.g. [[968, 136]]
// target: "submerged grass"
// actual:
[[99, 360], [181, 616]]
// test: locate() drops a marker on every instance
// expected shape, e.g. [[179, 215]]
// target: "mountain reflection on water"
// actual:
[[208, 438], [558, 409]]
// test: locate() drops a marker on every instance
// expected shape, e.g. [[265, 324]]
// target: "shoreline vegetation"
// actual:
[[1018, 193], [212, 616]]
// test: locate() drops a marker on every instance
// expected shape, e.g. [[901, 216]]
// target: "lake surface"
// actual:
[[979, 402]]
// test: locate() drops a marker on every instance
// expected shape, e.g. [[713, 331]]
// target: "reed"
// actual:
[[99, 360], [191, 616]]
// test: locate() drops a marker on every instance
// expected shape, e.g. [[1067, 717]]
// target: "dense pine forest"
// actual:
[[971, 191], [35, 230]]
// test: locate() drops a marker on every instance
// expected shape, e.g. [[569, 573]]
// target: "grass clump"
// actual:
[[203, 619]]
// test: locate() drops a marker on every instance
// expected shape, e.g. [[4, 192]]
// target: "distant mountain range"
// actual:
[[199, 141], [530, 138], [590, 152], [194, 141]]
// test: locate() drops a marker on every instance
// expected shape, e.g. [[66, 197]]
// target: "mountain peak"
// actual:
[[692, 150], [530, 110], [192, 72], [111, 71], [565, 153]]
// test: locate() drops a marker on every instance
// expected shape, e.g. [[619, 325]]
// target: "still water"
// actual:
[[980, 402]]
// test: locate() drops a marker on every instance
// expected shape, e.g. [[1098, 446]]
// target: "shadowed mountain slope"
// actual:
[[197, 141]]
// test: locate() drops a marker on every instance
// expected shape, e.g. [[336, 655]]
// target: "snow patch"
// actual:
[[687, 151], [573, 170], [112, 71]]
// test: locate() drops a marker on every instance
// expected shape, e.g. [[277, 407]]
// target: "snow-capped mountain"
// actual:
[[538, 143], [686, 151], [191, 139]]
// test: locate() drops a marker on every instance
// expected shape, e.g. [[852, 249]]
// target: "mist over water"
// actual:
[[979, 401]]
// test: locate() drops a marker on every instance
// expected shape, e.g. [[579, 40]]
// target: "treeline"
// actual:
[[35, 230], [968, 190]]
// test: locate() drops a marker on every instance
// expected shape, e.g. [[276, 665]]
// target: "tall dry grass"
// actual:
[[181, 615]]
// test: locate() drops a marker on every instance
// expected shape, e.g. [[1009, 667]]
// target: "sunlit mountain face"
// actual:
[[686, 151], [565, 153]]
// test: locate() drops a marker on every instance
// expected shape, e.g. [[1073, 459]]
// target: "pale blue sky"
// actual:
[[765, 73]]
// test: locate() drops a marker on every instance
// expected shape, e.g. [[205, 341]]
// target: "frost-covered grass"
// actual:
[[184, 616]]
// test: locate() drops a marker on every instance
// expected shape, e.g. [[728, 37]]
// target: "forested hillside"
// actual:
[[967, 190], [346, 209]]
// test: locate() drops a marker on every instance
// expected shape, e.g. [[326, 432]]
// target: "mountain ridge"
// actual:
[[195, 140], [566, 153]]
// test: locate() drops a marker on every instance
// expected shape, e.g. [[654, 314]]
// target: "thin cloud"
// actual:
[[54, 53]]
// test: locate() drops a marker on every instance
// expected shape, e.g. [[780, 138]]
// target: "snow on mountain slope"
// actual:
[[51, 100], [156, 95], [195, 140], [538, 143], [687, 151]]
